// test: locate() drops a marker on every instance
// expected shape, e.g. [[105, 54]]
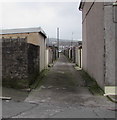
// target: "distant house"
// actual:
[[78, 55], [74, 53], [99, 23], [23, 55], [51, 55]]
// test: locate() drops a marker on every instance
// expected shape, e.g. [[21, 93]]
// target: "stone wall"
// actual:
[[19, 62], [33, 62]]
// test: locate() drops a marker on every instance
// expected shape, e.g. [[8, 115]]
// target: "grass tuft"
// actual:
[[39, 78], [91, 83]]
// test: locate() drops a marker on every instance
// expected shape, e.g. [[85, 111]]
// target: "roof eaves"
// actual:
[[43, 32], [23, 30]]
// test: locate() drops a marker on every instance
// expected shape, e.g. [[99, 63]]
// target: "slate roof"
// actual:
[[22, 30]]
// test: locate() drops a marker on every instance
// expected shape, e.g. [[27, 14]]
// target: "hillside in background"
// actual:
[[62, 42]]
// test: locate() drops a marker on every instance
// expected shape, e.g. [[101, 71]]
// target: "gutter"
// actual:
[[81, 5]]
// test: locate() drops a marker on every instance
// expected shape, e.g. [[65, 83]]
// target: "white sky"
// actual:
[[48, 15]]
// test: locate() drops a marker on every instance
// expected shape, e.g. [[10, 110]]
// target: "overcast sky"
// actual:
[[49, 16]]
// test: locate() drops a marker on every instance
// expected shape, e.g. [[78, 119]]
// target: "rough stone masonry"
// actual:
[[20, 62]]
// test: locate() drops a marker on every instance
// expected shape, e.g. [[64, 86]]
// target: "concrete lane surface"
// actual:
[[62, 94]]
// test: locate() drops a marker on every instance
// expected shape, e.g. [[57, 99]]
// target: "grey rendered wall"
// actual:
[[86, 8], [42, 52], [116, 45], [0, 76], [50, 56], [84, 41], [93, 41], [109, 24]]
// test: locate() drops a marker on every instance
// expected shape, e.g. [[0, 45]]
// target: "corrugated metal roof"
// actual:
[[22, 30]]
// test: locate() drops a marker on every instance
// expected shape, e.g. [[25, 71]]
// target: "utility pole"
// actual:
[[58, 40], [72, 40]]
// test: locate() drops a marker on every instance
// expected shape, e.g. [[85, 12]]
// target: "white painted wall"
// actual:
[[78, 57], [47, 58]]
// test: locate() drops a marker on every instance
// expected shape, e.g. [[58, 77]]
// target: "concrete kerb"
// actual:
[[39, 79], [97, 87], [42, 74]]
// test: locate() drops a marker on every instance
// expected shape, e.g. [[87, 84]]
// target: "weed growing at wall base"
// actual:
[[91, 83], [39, 78]]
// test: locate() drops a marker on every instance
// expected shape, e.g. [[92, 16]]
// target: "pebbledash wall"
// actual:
[[99, 41], [23, 56]]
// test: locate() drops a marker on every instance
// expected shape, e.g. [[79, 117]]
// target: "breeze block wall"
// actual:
[[20, 62]]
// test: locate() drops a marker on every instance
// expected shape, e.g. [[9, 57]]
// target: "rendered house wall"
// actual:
[[99, 42], [93, 41], [115, 22], [38, 39], [110, 43]]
